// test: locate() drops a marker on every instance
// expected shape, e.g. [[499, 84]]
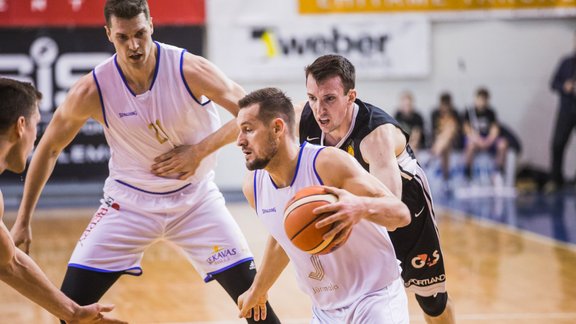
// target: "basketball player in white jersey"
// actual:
[[334, 116], [154, 103], [19, 117], [360, 281]]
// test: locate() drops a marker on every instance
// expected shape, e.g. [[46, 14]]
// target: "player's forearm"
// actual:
[[387, 211], [274, 262], [390, 177], [22, 274], [223, 136], [39, 171]]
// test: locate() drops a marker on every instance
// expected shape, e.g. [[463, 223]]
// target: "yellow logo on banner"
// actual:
[[383, 6]]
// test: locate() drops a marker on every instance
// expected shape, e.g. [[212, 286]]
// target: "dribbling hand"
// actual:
[[347, 212]]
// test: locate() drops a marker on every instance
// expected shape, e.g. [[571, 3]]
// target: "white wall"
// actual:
[[513, 58]]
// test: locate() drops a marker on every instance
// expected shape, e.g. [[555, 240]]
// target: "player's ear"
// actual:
[[19, 127], [351, 95], [278, 125], [108, 33], [151, 27]]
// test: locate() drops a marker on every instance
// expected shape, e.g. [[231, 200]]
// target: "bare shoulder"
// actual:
[[85, 88], [206, 79], [201, 74], [298, 108], [83, 98], [195, 63], [333, 164], [384, 138], [248, 187]]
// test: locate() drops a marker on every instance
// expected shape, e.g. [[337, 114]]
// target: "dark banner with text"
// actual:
[[53, 59]]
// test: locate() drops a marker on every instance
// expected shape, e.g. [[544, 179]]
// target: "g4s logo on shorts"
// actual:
[[422, 260]]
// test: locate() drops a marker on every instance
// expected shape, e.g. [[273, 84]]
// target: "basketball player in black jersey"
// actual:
[[333, 116]]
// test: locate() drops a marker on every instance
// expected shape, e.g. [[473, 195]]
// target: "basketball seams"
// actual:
[[298, 216], [307, 224], [322, 246], [330, 198]]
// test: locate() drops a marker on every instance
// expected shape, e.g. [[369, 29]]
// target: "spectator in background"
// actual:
[[563, 82], [446, 132], [482, 133], [411, 121]]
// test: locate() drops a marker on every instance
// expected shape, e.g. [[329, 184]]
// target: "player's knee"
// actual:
[[433, 305], [237, 279], [85, 286]]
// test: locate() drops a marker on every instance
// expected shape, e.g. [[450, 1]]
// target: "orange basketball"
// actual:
[[300, 221]]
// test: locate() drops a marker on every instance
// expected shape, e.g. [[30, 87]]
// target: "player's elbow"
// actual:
[[402, 217]]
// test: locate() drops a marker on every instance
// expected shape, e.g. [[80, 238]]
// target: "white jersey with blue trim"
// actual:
[[140, 127], [364, 264]]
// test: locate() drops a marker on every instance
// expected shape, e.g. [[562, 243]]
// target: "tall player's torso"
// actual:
[[140, 127]]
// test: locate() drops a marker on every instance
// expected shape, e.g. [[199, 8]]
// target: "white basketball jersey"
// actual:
[[364, 264], [141, 127]]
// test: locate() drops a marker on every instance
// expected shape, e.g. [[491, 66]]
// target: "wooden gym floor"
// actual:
[[495, 275]]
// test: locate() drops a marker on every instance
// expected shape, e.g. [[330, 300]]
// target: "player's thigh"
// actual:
[[417, 245], [208, 234], [386, 306], [116, 237]]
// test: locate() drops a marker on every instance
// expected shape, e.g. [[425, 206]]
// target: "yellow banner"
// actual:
[[390, 6]]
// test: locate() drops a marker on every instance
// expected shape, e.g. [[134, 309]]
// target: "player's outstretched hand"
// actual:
[[181, 161], [346, 212], [249, 303], [93, 314], [22, 236]]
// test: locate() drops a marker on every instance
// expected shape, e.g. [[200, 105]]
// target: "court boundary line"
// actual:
[[418, 318], [485, 222]]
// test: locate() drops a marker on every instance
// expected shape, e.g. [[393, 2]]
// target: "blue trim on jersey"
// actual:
[[314, 166], [127, 271], [255, 196], [122, 75], [101, 97], [151, 192], [297, 167], [298, 163], [209, 276], [157, 65], [186, 83], [156, 68]]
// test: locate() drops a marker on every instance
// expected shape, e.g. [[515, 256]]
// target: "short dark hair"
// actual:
[[126, 9], [483, 92], [16, 99], [331, 65], [446, 98], [273, 103]]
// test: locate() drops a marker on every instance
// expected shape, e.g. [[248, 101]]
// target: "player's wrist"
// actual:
[[72, 313]]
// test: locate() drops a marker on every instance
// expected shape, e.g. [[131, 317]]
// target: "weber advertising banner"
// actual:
[[54, 56], [274, 45], [445, 8]]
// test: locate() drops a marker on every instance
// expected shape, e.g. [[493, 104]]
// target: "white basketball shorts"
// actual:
[[385, 306], [194, 218]]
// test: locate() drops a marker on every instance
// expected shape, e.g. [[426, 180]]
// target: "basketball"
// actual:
[[300, 221]]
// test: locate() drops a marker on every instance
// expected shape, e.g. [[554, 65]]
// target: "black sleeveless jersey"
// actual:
[[369, 118]]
